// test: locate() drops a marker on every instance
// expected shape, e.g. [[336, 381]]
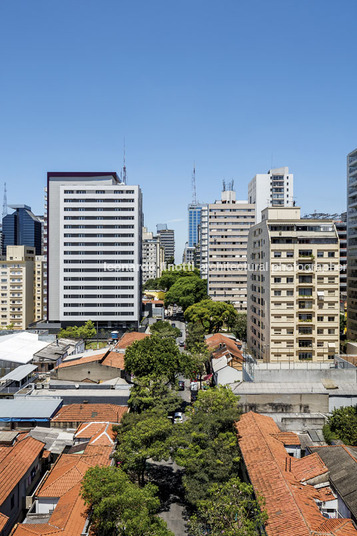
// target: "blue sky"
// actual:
[[236, 86]]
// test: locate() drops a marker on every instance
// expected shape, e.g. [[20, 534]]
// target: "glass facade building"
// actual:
[[194, 220], [21, 228]]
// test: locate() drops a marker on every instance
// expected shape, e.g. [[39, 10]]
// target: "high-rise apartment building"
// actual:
[[21, 228], [224, 234], [167, 241], [272, 189], [17, 287], [94, 250], [153, 256], [352, 245], [39, 288], [293, 288]]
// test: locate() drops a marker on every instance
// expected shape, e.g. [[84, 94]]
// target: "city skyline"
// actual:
[[238, 91]]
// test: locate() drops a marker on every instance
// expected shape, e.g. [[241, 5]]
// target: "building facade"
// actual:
[[153, 256], [194, 220], [352, 245], [167, 241], [94, 250], [224, 227], [21, 228], [18, 282], [293, 288], [272, 189]]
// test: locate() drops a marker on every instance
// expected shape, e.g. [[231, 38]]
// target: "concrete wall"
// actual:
[[306, 375], [285, 403]]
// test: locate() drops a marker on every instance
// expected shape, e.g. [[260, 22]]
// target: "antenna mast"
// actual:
[[194, 195], [124, 166], [4, 206]]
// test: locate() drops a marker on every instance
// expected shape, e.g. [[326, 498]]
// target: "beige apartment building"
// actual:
[[39, 286], [225, 226], [18, 274], [293, 288]]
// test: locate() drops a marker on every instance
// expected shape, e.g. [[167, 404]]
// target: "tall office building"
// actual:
[[352, 245], [272, 189], [21, 228], [293, 287], [94, 250], [224, 226], [153, 256], [18, 283], [194, 220], [167, 240]]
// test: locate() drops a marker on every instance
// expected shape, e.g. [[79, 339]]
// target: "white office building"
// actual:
[[352, 245], [94, 250], [272, 189]]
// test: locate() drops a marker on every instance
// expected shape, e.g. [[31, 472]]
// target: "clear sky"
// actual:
[[236, 86]]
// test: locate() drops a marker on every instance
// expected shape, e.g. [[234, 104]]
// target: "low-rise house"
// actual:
[[226, 359], [128, 338], [26, 411], [54, 353], [341, 462], [20, 471], [18, 349], [17, 379], [297, 494], [74, 415], [93, 366], [58, 508], [95, 433]]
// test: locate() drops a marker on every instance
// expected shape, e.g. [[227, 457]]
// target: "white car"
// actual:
[[178, 418]]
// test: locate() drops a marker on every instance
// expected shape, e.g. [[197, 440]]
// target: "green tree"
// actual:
[[140, 438], [120, 508], [169, 277], [152, 284], [86, 331], [195, 338], [212, 315], [154, 356], [229, 509], [240, 326], [186, 291], [343, 424], [164, 329], [153, 392]]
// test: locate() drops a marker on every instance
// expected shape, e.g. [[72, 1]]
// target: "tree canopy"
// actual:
[[186, 291], [86, 331], [230, 509], [163, 329], [240, 326], [169, 278], [119, 507], [343, 425], [141, 437], [153, 392], [212, 315], [154, 356]]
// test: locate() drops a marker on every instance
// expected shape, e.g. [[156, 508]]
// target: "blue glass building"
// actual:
[[194, 220], [21, 228]]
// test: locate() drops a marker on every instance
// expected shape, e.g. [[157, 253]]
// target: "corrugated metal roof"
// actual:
[[28, 408], [19, 373], [20, 347]]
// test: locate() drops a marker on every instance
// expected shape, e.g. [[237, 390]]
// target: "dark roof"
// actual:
[[341, 462]]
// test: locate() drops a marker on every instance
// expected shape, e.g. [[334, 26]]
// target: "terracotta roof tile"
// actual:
[[128, 338], [220, 344], [309, 467], [16, 463], [114, 359], [3, 520], [288, 438], [290, 504], [100, 433], [81, 360], [90, 413]]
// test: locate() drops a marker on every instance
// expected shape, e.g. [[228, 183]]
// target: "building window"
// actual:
[[277, 279], [331, 254]]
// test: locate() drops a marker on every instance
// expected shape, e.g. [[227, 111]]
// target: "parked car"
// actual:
[[178, 418], [182, 344], [181, 385]]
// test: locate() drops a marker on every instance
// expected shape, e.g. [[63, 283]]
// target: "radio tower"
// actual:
[[194, 195], [124, 167], [4, 206]]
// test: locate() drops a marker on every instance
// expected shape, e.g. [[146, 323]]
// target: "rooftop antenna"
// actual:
[[123, 175], [224, 185], [4, 206], [194, 194]]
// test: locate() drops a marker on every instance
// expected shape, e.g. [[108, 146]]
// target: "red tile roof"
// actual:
[[309, 467], [76, 413], [290, 504], [128, 338], [224, 346], [15, 464], [288, 438], [70, 469], [3, 520], [81, 361], [97, 432], [114, 359]]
